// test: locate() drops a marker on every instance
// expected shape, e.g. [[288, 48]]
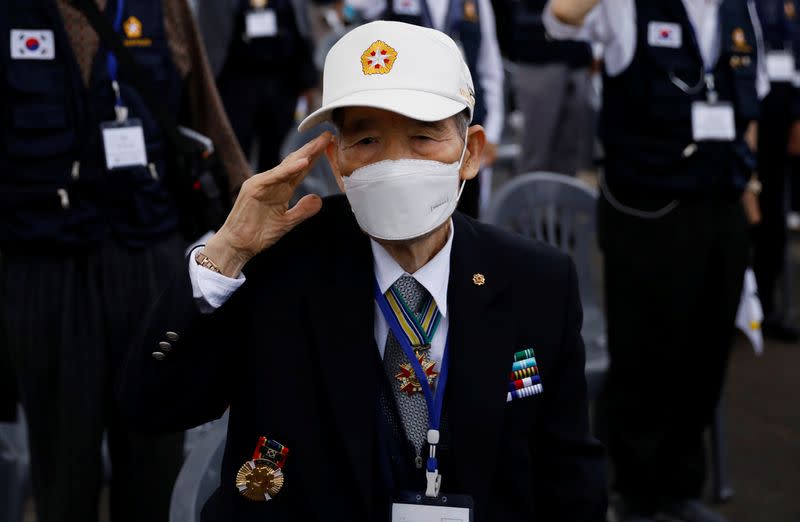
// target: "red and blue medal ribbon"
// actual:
[[393, 318]]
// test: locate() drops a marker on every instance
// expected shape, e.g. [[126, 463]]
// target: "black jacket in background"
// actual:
[[292, 353]]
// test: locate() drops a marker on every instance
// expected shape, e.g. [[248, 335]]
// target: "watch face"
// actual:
[[259, 480]]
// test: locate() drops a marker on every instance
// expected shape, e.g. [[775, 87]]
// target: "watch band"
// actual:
[[206, 262]]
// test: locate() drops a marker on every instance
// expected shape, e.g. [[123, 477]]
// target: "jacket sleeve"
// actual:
[[571, 478], [192, 382]]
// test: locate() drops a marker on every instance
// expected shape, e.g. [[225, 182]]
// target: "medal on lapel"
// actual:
[[419, 329], [261, 478]]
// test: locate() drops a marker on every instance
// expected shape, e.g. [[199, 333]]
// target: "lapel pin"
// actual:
[[479, 279]]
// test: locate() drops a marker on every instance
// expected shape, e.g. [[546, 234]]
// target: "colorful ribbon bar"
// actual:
[[524, 354], [524, 383], [524, 392], [521, 374], [525, 363]]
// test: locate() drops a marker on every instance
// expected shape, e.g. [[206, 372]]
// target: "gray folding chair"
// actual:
[[14, 469], [561, 211], [200, 475], [320, 180]]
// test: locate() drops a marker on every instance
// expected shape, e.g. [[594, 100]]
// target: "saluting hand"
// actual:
[[261, 213]]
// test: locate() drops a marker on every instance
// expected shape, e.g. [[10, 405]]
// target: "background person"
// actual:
[[88, 238], [681, 91]]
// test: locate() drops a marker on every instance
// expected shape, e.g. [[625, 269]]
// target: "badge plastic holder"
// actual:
[[406, 507], [126, 147]]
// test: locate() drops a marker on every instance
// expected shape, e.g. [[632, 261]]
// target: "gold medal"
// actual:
[[258, 4], [261, 478], [470, 11]]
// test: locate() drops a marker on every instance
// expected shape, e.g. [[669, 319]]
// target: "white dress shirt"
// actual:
[[211, 289], [612, 23], [490, 65]]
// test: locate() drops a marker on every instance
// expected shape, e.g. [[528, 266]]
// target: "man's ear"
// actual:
[[476, 141], [332, 153]]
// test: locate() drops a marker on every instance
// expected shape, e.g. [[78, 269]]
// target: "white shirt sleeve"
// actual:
[[211, 289], [611, 23], [762, 77], [490, 73]]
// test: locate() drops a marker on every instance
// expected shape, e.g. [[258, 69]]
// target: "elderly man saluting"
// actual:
[[383, 357]]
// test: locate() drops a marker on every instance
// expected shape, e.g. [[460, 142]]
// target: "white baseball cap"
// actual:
[[411, 70]]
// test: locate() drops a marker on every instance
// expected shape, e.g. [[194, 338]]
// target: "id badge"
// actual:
[[416, 507], [261, 23], [780, 66], [124, 144], [713, 121]]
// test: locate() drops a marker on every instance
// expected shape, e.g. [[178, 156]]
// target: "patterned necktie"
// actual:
[[412, 408]]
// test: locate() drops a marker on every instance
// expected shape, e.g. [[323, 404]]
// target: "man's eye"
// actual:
[[423, 138], [366, 141]]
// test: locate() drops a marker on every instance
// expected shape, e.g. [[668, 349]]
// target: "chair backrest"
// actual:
[[556, 209], [320, 180], [200, 475]]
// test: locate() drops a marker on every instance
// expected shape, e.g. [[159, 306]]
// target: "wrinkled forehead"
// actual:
[[359, 119]]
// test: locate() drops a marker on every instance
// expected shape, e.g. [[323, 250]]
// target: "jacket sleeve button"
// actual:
[[172, 336], [165, 346], [158, 356]]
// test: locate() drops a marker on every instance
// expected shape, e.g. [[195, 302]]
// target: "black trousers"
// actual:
[[672, 290], [774, 167], [260, 107], [69, 315]]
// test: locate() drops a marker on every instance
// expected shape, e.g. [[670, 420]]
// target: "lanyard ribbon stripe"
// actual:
[[419, 333]]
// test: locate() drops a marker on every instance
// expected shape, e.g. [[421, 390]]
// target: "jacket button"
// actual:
[[158, 356], [172, 336], [165, 346]]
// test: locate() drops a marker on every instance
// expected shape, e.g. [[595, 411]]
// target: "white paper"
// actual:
[[713, 122], [32, 44], [780, 66], [664, 34], [124, 146], [420, 513], [407, 7], [261, 23]]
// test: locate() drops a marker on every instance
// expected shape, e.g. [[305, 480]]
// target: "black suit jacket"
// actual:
[[292, 353]]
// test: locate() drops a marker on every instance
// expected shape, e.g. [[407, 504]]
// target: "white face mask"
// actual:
[[404, 199]]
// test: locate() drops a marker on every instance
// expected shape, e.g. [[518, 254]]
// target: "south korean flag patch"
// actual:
[[32, 44], [664, 34]]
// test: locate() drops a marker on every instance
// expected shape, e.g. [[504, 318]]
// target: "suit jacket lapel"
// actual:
[[342, 313], [480, 328]]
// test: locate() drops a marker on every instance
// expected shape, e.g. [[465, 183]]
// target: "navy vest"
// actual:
[[646, 124], [54, 187], [270, 52], [530, 43], [463, 25]]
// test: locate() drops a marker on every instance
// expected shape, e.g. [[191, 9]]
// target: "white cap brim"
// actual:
[[418, 105]]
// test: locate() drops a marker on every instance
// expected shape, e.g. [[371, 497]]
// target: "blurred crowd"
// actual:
[[128, 126]]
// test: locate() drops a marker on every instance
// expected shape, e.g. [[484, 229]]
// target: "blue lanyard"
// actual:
[[111, 59], [434, 403]]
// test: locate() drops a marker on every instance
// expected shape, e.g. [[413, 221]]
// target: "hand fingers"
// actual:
[[304, 209], [296, 163]]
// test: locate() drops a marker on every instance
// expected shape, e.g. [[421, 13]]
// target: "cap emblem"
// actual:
[[378, 59]]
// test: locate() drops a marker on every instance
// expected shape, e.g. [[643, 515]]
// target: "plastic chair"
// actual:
[[200, 475], [561, 211], [14, 469], [320, 180]]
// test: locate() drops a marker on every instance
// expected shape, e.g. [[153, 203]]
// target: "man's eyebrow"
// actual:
[[357, 125], [438, 126]]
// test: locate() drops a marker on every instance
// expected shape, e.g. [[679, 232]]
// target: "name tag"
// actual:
[[33, 44], [416, 507], [664, 34], [780, 66], [124, 144], [713, 121], [407, 7], [261, 23]]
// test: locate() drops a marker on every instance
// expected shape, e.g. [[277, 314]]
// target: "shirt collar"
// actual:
[[434, 275]]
